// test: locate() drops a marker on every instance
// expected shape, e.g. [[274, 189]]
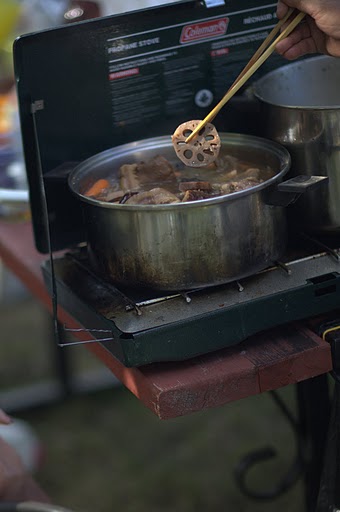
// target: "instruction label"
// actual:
[[184, 67]]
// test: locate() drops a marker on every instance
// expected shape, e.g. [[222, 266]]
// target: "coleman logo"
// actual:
[[204, 30]]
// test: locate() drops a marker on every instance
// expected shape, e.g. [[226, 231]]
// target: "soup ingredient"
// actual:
[[97, 188], [195, 185], [195, 195], [153, 196], [202, 150], [157, 181], [146, 175]]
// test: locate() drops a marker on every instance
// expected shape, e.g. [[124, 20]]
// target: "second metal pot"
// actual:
[[185, 245], [300, 109]]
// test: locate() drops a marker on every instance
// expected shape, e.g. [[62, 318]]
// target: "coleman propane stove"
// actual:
[[89, 86], [142, 326]]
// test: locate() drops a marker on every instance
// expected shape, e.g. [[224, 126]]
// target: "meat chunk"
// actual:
[[134, 177], [128, 177], [153, 196], [196, 195], [237, 186], [195, 185], [155, 170], [253, 172], [226, 162]]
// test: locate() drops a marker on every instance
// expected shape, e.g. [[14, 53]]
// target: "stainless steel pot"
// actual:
[[185, 245], [300, 109]]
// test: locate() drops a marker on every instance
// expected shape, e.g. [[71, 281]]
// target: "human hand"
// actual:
[[319, 33]]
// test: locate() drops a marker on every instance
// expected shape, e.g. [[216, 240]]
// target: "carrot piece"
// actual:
[[97, 188]]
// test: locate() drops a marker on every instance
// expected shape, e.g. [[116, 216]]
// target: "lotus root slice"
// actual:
[[202, 150]]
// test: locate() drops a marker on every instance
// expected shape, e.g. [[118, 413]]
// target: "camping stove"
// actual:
[[88, 86], [140, 326]]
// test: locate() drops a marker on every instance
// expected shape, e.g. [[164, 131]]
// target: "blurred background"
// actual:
[[88, 441], [99, 449]]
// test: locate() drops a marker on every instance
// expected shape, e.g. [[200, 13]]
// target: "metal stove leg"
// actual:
[[314, 413], [329, 496], [289, 478], [62, 362]]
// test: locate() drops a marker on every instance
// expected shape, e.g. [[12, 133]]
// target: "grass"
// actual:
[[106, 452]]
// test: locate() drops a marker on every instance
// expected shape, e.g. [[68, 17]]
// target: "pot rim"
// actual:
[[165, 142], [279, 71]]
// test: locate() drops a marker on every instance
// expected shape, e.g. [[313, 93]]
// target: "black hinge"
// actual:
[[37, 105]]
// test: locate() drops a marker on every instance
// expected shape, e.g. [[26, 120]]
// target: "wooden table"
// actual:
[[264, 362]]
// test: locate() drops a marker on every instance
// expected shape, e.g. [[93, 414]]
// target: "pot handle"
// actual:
[[287, 192]]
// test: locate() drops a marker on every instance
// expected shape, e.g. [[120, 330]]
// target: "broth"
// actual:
[[157, 181]]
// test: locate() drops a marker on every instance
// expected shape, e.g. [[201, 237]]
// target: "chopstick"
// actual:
[[264, 45], [259, 57]]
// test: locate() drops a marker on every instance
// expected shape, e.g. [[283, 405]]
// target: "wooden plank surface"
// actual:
[[264, 362]]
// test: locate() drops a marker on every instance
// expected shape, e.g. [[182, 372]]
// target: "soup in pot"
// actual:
[[158, 181]]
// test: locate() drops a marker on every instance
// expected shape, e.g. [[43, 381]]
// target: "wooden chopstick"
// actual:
[[253, 65], [264, 45]]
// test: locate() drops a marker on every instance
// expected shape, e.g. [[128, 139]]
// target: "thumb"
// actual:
[[281, 9], [302, 5]]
